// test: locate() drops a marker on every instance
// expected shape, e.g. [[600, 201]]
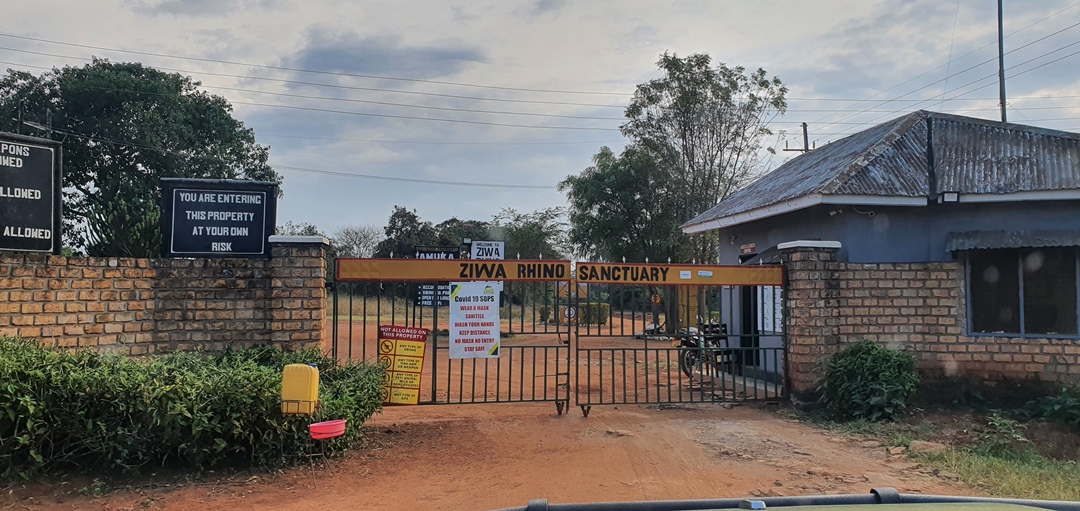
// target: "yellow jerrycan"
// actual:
[[300, 389]]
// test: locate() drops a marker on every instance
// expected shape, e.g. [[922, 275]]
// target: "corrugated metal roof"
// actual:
[[982, 240], [891, 160]]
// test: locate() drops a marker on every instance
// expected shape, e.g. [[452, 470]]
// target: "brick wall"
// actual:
[[916, 307], [141, 306]]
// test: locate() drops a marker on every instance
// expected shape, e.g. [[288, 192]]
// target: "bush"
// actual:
[[1063, 407], [867, 381], [90, 411], [594, 313]]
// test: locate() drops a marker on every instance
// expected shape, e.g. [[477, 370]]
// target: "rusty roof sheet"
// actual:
[[892, 160]]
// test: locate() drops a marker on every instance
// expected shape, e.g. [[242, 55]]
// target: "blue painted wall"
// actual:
[[896, 234]]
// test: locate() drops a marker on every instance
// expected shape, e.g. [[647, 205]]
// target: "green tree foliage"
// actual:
[[704, 126], [540, 234], [124, 126], [404, 232], [623, 207], [452, 231]]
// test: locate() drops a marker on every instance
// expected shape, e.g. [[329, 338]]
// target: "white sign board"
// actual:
[[488, 250], [474, 320], [770, 309]]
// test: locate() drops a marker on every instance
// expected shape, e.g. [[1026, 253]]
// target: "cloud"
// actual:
[[545, 6], [383, 55], [197, 8]]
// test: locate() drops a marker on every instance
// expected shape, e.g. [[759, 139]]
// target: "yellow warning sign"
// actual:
[[401, 350], [408, 364], [406, 381], [410, 348], [404, 396]]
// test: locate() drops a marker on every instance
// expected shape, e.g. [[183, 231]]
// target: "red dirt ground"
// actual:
[[482, 457]]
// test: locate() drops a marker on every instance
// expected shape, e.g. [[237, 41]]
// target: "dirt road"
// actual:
[[483, 457]]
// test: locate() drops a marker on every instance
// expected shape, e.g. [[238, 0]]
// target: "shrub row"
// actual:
[[85, 410]]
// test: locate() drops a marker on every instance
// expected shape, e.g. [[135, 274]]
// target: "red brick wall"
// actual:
[[916, 307], [141, 306]]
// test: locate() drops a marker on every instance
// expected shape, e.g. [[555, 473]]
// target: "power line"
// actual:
[[334, 86], [858, 101], [432, 119], [424, 142], [994, 75], [304, 169], [411, 180], [349, 100], [313, 71]]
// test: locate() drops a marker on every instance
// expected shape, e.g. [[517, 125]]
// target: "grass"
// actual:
[[891, 434], [1023, 477], [995, 462]]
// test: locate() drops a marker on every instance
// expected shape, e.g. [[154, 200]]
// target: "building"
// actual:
[[985, 215]]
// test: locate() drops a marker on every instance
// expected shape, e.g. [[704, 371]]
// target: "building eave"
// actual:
[[797, 204]]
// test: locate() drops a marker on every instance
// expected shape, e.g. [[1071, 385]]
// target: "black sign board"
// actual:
[[432, 294], [217, 218], [30, 183]]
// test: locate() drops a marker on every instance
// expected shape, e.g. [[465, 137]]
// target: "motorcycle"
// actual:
[[703, 349]]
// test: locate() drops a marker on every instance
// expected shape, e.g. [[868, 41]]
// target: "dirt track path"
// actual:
[[484, 457]]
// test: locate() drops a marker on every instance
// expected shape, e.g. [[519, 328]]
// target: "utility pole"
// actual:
[[805, 141], [1001, 64], [48, 123]]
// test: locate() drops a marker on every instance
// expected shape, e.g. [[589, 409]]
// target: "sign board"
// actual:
[[748, 249], [668, 274], [771, 309], [401, 351], [217, 218], [414, 270], [474, 320], [487, 250], [435, 294], [30, 183]]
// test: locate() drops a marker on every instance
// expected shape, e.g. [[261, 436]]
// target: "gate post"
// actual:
[[811, 319], [298, 290]]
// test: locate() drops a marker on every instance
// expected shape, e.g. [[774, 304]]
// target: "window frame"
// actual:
[[1020, 288]]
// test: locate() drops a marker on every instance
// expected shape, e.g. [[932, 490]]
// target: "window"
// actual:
[[1030, 292]]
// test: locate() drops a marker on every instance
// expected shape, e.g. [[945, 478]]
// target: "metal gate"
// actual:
[[533, 364], [656, 334], [614, 332]]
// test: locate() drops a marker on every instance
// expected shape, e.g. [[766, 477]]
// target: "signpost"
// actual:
[[474, 320], [401, 350], [30, 184], [432, 294], [217, 218]]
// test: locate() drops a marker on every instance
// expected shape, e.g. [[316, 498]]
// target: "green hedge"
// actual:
[[594, 313], [87, 411]]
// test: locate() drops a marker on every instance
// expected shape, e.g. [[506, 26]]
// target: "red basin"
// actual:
[[327, 429]]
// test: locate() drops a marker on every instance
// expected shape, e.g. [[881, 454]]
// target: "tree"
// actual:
[[452, 231], [536, 235], [125, 126], [704, 126], [404, 232], [623, 207], [357, 240]]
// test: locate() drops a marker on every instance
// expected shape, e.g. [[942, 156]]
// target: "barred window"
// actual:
[[1028, 292]]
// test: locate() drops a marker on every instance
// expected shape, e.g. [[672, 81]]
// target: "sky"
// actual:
[[461, 109]]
